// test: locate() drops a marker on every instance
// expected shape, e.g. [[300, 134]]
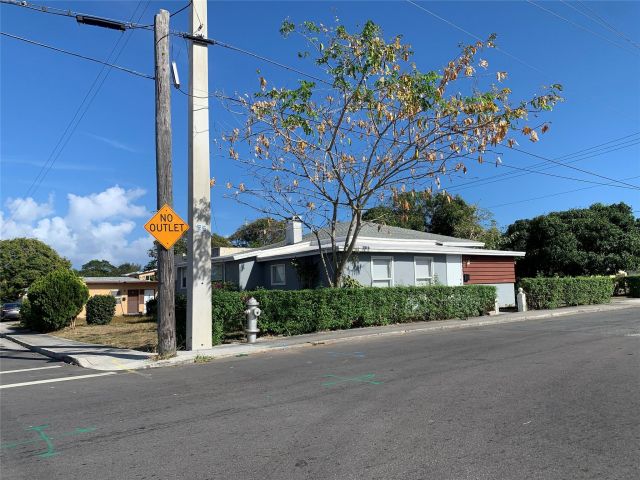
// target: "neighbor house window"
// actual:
[[217, 272], [423, 270], [278, 274], [182, 275], [381, 271]]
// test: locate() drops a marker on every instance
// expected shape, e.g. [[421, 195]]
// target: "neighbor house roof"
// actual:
[[116, 280], [373, 237]]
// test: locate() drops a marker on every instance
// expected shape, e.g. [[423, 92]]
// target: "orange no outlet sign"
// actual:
[[166, 226]]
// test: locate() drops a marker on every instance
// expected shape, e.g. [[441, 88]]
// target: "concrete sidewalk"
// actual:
[[102, 357]]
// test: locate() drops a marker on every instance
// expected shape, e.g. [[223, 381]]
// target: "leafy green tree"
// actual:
[[97, 268], [598, 240], [440, 213], [372, 127], [260, 232], [103, 268], [127, 267], [219, 241], [55, 300], [23, 261], [179, 248]]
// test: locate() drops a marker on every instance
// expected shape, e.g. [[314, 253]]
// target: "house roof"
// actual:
[[375, 230], [373, 237], [115, 280]]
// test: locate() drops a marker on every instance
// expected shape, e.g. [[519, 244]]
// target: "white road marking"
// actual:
[[52, 380], [30, 369]]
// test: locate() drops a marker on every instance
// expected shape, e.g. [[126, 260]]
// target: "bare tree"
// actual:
[[376, 127]]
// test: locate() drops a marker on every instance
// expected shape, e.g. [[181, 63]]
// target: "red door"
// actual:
[[132, 301]]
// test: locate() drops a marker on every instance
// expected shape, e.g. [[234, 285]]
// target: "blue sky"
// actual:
[[95, 199]]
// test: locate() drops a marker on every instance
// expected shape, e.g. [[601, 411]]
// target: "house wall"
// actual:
[[122, 307], [291, 275], [403, 268]]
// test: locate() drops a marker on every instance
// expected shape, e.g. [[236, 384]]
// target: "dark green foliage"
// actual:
[[101, 309], [633, 286], [219, 241], [554, 292], [598, 240], [55, 300], [103, 268], [260, 232], [23, 261], [439, 213], [152, 308], [296, 312]]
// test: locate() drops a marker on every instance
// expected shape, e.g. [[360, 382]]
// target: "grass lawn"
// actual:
[[134, 332]]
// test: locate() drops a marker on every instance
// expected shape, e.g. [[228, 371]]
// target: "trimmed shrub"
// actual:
[[101, 309], [294, 312], [55, 300], [633, 286], [152, 308], [554, 292]]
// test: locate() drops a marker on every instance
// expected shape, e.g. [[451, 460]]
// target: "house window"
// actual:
[[217, 272], [182, 275], [381, 271], [278, 274], [423, 267]]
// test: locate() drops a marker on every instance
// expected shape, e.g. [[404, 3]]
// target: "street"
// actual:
[[543, 399]]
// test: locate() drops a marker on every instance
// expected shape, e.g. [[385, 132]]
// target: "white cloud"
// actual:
[[100, 225]]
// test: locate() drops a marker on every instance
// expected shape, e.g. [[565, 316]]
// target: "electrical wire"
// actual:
[[79, 114], [67, 13], [582, 27], [110, 65], [214, 42], [510, 176], [552, 195], [597, 18], [458, 27]]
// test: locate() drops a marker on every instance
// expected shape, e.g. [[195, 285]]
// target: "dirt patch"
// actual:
[[138, 333]]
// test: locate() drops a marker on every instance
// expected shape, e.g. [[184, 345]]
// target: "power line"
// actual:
[[68, 13], [582, 27], [553, 195], [214, 42], [86, 102], [606, 24], [110, 65], [580, 155], [454, 25], [582, 170]]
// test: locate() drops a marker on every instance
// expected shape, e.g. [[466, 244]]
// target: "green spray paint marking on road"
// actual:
[[361, 379], [43, 437]]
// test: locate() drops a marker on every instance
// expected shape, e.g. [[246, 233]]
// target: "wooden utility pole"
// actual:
[[199, 328], [164, 174]]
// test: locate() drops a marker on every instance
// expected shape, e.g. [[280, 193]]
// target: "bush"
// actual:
[[633, 286], [101, 309], [294, 312], [152, 308], [55, 300], [554, 292]]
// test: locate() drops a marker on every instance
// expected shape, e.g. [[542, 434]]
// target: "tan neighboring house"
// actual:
[[131, 294]]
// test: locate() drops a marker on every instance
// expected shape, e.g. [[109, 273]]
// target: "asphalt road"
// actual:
[[546, 399]]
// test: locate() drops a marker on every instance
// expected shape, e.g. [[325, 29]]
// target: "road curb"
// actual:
[[85, 361]]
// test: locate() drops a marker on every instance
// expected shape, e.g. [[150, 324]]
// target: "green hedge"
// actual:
[[101, 309], [295, 312], [554, 292], [54, 300], [633, 286]]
